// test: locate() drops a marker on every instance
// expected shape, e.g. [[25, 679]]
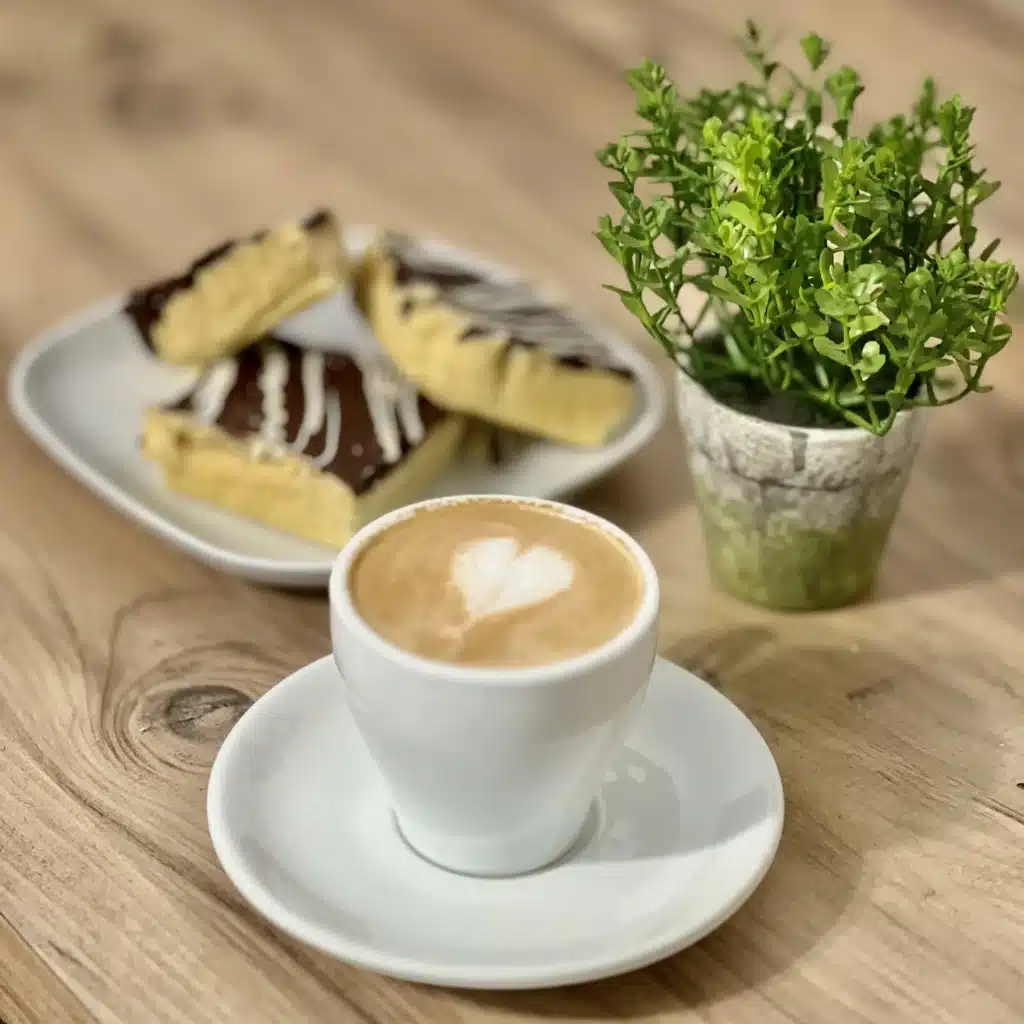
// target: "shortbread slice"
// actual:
[[316, 445], [493, 348], [238, 291]]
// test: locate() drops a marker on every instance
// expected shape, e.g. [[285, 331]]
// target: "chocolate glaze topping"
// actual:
[[364, 449], [145, 305], [508, 308]]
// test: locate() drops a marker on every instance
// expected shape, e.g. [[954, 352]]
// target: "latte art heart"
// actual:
[[495, 575], [495, 583]]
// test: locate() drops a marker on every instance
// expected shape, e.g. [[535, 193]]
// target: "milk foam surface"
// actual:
[[492, 582]]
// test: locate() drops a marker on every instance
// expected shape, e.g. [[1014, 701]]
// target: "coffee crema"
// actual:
[[495, 583]]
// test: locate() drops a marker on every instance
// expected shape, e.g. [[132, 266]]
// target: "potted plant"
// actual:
[[838, 285]]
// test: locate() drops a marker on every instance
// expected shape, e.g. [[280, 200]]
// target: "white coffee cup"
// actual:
[[491, 771]]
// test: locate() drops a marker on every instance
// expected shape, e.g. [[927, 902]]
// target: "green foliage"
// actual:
[[840, 267]]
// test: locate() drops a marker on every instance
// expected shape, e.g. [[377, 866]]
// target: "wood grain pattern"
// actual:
[[134, 135]]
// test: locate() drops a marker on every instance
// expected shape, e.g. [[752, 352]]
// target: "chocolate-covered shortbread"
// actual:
[[313, 444], [492, 348], [238, 291]]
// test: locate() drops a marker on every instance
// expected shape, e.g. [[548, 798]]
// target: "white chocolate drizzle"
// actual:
[[313, 400], [392, 404], [394, 408], [409, 414], [273, 381], [212, 392], [333, 436]]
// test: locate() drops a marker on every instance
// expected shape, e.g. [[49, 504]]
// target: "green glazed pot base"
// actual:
[[778, 564]]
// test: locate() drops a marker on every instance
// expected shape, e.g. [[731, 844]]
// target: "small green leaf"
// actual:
[[812, 107], [825, 266], [712, 131], [725, 289], [830, 350], [861, 325], [611, 246], [816, 324], [739, 211], [872, 359], [833, 303], [815, 49], [920, 279], [984, 190], [844, 87], [625, 195], [925, 106], [792, 280], [636, 306], [849, 240], [989, 249], [628, 240]]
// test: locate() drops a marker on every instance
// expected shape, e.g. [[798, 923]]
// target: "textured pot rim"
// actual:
[[826, 435]]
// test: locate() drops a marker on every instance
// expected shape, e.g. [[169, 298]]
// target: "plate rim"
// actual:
[[407, 968], [263, 569]]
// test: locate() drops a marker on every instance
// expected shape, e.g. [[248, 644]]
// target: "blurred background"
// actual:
[[135, 135]]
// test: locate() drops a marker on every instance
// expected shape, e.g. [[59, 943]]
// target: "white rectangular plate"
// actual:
[[81, 388]]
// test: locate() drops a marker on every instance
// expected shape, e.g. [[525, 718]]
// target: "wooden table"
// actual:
[[135, 134]]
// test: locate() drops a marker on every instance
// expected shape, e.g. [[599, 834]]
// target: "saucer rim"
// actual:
[[489, 977]]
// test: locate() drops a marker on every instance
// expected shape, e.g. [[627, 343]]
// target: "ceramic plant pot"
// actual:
[[794, 518]]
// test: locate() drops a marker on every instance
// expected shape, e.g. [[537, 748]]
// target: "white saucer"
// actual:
[[80, 390], [685, 827]]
